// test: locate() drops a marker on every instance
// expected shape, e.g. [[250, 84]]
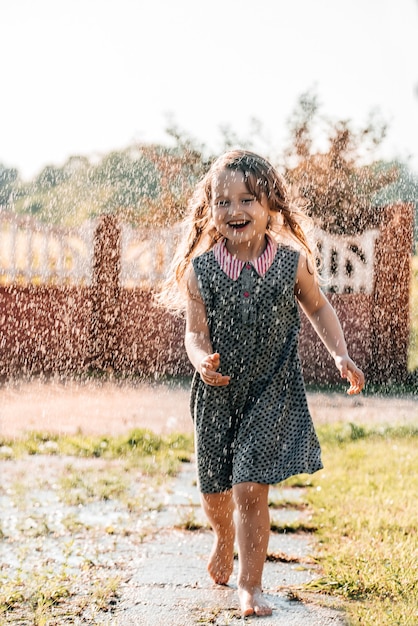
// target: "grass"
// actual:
[[364, 504], [80, 486], [364, 518], [139, 447], [76, 508]]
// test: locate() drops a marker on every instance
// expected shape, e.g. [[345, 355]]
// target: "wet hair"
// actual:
[[262, 181]]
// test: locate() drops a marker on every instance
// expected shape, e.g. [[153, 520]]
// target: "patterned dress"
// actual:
[[258, 428]]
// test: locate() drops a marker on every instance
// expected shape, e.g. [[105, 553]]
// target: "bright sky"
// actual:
[[89, 76]]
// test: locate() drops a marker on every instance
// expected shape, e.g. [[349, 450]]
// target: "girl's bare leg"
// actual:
[[219, 509], [253, 530]]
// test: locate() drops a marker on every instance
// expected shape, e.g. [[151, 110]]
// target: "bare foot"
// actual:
[[221, 561], [253, 602]]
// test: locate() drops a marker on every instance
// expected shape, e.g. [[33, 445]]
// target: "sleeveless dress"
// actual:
[[258, 428]]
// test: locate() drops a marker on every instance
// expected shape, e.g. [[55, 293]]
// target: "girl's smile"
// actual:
[[238, 215]]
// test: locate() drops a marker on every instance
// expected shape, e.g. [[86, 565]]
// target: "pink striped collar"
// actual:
[[233, 266]]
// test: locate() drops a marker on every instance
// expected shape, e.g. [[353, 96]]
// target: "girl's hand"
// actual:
[[348, 369], [208, 372]]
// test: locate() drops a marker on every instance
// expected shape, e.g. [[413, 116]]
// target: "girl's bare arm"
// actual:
[[197, 339], [326, 324]]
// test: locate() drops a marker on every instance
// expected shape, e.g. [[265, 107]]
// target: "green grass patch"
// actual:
[[71, 524], [83, 486], [365, 510], [139, 446]]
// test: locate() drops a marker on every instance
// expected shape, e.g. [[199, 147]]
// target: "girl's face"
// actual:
[[237, 214]]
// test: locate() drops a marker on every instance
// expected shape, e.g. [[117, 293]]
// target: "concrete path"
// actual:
[[170, 586]]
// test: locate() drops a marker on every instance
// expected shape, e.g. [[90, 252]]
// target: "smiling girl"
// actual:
[[244, 269]]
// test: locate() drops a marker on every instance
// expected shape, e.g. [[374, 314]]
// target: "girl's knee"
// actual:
[[250, 494], [217, 501]]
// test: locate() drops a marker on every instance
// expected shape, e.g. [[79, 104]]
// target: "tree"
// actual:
[[336, 188], [180, 168], [49, 177], [125, 180], [9, 178], [341, 185]]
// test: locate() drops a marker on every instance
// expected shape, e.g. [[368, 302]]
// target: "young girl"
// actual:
[[245, 267]]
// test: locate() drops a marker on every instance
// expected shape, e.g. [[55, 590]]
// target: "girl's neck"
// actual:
[[248, 250]]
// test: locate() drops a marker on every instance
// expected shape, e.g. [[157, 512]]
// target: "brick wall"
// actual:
[[68, 329], [43, 329]]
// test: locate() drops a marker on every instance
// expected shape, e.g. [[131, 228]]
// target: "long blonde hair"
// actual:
[[261, 179]]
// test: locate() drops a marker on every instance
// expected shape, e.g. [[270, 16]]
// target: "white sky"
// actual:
[[89, 76]]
